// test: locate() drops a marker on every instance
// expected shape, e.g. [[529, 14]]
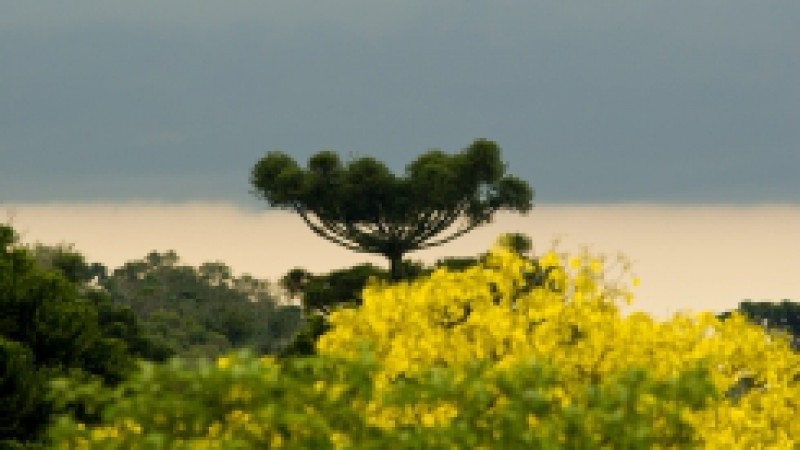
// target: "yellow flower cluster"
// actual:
[[572, 321]]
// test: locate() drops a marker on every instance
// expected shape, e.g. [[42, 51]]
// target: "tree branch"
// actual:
[[453, 236], [437, 226], [327, 234]]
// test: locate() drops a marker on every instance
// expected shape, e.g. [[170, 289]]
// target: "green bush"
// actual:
[[241, 401], [48, 328]]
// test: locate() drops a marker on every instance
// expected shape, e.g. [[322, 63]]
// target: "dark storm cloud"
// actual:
[[591, 102]]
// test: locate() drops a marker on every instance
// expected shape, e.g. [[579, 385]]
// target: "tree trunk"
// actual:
[[396, 266]]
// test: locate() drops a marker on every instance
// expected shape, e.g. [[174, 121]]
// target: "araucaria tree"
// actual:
[[364, 207]]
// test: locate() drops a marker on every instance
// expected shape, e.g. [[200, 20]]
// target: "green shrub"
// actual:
[[245, 402], [23, 407]]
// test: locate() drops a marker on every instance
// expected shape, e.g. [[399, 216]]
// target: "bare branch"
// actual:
[[327, 234], [455, 235]]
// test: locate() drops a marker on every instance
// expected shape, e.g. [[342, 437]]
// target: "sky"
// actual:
[[592, 102], [664, 130]]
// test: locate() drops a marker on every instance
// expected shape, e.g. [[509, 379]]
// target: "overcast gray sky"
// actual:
[[592, 102]]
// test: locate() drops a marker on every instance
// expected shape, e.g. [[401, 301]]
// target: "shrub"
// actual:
[[245, 402], [572, 322]]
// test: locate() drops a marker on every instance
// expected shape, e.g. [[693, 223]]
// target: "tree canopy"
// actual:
[[48, 328], [201, 311], [364, 207]]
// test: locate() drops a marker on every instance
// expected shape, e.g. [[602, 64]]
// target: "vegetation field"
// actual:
[[501, 351]]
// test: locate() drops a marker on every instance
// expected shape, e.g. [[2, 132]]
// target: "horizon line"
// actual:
[[245, 205]]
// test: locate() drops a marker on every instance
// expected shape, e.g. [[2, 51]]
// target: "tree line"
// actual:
[[63, 317]]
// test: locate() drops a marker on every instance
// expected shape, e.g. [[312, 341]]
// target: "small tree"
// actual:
[[364, 207]]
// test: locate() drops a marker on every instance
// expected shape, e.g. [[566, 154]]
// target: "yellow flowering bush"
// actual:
[[572, 322], [511, 353]]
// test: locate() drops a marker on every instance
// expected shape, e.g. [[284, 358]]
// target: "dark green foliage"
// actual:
[[66, 260], [323, 292], [457, 264], [319, 294], [305, 341], [48, 328], [340, 287], [23, 404], [784, 315], [47, 313], [364, 207], [115, 321], [201, 311], [121, 322]]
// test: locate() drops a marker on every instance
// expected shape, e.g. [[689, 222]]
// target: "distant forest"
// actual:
[[162, 308]]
